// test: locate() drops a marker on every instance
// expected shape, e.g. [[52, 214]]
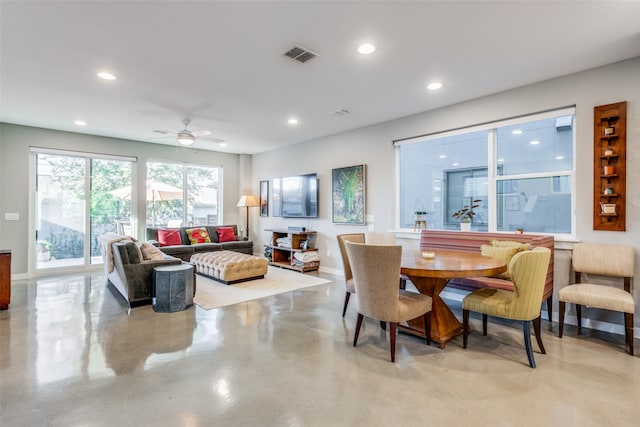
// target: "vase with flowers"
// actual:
[[465, 215]]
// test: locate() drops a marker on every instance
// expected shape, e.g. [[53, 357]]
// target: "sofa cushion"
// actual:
[[128, 251], [169, 237], [198, 235], [502, 253], [150, 252], [226, 234]]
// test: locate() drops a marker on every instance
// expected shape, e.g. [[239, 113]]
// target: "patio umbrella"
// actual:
[[156, 191]]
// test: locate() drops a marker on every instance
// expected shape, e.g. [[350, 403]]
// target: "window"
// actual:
[[182, 195], [519, 171]]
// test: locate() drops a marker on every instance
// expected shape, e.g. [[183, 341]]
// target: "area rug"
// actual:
[[211, 294]]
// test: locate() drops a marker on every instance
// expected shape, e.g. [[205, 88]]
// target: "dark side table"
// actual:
[[172, 288]]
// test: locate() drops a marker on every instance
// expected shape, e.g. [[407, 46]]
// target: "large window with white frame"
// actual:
[[518, 172], [183, 194]]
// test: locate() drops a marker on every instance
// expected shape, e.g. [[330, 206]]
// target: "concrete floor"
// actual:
[[71, 356]]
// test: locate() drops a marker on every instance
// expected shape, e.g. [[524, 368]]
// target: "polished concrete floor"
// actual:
[[71, 356]]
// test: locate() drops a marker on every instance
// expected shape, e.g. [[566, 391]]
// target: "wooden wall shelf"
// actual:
[[610, 166]]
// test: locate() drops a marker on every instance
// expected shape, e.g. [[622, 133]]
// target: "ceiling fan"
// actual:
[[188, 137]]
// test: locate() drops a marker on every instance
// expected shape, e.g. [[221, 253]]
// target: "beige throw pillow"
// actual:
[[501, 253], [150, 252]]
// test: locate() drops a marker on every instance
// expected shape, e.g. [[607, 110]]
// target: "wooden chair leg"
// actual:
[[560, 318], [358, 324], [465, 328], [550, 308], [346, 303], [527, 343], [628, 331], [536, 329], [392, 335], [427, 327], [579, 316], [484, 324]]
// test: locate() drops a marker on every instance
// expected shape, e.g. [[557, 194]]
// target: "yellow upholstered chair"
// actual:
[[348, 275], [601, 260], [528, 273], [375, 275]]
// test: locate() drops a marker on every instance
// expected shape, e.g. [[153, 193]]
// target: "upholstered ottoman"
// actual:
[[229, 267]]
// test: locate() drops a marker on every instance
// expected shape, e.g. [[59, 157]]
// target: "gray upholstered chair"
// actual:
[[375, 276], [601, 260], [348, 275], [528, 272]]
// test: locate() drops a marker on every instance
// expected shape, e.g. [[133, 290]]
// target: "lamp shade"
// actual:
[[248, 201]]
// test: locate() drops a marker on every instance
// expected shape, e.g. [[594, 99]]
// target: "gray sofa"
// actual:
[[130, 274], [186, 249]]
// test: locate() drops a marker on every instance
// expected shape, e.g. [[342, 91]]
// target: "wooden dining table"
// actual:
[[430, 276]]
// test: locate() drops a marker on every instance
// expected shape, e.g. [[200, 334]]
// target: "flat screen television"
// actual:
[[296, 196]]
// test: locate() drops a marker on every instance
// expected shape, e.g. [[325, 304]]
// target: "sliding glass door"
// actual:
[[77, 199]]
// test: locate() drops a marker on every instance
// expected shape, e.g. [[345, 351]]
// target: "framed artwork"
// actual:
[[264, 198], [348, 195]]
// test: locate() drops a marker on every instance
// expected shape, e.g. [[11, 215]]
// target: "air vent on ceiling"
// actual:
[[341, 112], [300, 54]]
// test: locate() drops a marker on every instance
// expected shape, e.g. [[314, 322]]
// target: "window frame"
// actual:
[[492, 162]]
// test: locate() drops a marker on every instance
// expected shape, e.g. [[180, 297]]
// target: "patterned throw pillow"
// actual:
[[169, 237], [501, 253], [198, 235], [225, 234]]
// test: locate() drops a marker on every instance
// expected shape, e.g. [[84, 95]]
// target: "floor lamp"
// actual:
[[248, 201]]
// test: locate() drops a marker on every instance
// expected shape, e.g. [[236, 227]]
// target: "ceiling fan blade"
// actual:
[[164, 132], [200, 132]]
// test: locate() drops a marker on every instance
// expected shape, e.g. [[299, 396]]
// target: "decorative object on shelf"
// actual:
[[247, 201], [348, 195], [465, 215], [609, 169], [519, 230], [264, 198]]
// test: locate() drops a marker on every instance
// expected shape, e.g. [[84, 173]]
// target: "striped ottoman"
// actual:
[[229, 267]]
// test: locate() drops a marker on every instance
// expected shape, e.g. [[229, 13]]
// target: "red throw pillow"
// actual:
[[225, 234], [169, 237]]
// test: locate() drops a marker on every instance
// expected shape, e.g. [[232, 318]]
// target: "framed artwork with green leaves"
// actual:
[[348, 195]]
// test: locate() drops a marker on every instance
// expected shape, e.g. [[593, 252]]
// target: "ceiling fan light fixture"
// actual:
[[185, 138]]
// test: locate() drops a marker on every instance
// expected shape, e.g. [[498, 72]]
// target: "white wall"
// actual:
[[372, 145], [14, 176]]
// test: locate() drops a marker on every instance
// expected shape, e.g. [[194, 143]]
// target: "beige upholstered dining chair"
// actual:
[[601, 260], [348, 275], [528, 273], [375, 275]]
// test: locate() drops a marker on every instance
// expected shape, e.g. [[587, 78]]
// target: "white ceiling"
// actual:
[[221, 64]]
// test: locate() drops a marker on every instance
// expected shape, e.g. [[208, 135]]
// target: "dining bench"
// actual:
[[472, 241]]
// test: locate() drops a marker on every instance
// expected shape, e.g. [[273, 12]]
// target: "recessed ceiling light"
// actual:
[[223, 144], [106, 76], [443, 156], [517, 132], [434, 86], [534, 142], [456, 164], [366, 48], [292, 121], [559, 157], [80, 123]]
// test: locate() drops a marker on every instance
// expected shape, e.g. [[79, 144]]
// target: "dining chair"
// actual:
[[348, 275], [528, 273], [375, 276], [383, 238], [612, 261]]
